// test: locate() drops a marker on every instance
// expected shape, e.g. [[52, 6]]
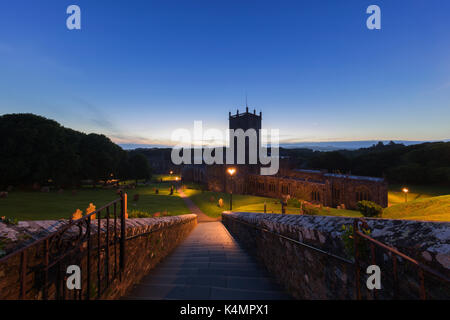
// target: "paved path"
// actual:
[[209, 264], [201, 217]]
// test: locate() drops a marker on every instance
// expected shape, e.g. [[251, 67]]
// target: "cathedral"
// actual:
[[315, 186]]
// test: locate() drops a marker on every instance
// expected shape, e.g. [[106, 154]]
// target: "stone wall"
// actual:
[[145, 252], [148, 241], [322, 267]]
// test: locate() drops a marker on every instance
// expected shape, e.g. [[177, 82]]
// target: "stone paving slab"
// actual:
[[209, 264]]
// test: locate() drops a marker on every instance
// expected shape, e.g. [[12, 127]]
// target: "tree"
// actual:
[[36, 149], [100, 157], [139, 167]]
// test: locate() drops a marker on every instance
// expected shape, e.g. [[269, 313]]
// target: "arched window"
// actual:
[[315, 196], [363, 194]]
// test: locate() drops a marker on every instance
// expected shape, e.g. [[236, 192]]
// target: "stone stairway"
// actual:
[[209, 264]]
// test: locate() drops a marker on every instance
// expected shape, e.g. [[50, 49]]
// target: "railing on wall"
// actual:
[[357, 262], [95, 242], [420, 269]]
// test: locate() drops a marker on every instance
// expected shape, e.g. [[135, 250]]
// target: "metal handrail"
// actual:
[[404, 256], [56, 248], [294, 241], [62, 229], [356, 234], [394, 254]]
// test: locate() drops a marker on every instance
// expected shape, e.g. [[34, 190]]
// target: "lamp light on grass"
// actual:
[[231, 172], [405, 191]]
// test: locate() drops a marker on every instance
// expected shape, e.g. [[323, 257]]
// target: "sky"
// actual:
[[139, 69]]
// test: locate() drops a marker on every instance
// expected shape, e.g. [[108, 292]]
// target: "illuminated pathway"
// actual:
[[201, 217], [209, 264]]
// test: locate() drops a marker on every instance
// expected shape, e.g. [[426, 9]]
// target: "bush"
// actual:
[[310, 210], [138, 214], [369, 208], [349, 243], [294, 202]]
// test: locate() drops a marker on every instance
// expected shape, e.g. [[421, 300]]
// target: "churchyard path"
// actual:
[[208, 264]]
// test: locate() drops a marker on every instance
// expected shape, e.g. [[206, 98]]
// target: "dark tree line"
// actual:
[[426, 163], [34, 149]]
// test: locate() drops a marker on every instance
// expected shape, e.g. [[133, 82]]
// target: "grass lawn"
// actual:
[[396, 196], [426, 208], [164, 177], [422, 204], [44, 206], [207, 201]]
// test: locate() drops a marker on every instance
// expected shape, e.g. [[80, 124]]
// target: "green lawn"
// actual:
[[422, 204], [42, 206], [165, 177], [416, 192], [428, 208], [207, 201]]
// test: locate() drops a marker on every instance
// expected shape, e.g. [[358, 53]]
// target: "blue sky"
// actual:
[[140, 69]]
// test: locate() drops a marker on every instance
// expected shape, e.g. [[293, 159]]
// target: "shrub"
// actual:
[[7, 220], [138, 214], [349, 243], [310, 210], [91, 209], [369, 208], [78, 214], [294, 202]]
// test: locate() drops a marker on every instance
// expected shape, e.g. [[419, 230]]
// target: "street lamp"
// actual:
[[405, 191], [231, 172]]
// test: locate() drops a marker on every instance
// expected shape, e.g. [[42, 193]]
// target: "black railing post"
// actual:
[[46, 263], [123, 211], [356, 253], [23, 275], [88, 258]]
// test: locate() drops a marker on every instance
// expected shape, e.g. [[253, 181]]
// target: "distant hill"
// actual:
[[132, 146], [345, 145], [315, 146]]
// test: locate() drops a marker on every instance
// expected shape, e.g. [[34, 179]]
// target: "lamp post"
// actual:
[[231, 172], [405, 191]]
